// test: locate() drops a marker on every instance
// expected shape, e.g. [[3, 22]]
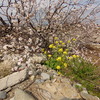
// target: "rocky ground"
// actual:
[[22, 77]]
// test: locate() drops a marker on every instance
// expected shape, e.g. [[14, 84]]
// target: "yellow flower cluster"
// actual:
[[73, 56]]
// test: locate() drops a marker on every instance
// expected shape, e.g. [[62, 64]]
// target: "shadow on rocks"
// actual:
[[30, 93], [70, 99]]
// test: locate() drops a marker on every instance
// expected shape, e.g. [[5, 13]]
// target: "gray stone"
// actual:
[[45, 76], [66, 99], [87, 96], [3, 94], [39, 81], [13, 79], [22, 95], [38, 58]]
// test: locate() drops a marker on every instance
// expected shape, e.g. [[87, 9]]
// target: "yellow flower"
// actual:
[[74, 39], [49, 55], [51, 45], [70, 58], [59, 45], [66, 49], [74, 56], [58, 59], [77, 56], [69, 41], [65, 52], [42, 50], [61, 41], [65, 64], [56, 42], [55, 38], [60, 50], [59, 73], [45, 52], [58, 67]]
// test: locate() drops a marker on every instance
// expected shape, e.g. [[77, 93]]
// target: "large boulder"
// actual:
[[22, 95], [13, 79]]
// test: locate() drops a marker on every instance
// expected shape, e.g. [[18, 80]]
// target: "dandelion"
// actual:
[[51, 45], [58, 67], [74, 56], [74, 39], [58, 59], [56, 42], [65, 64], [60, 50], [61, 41], [69, 41], [66, 49], [77, 56], [59, 45], [65, 52], [59, 73], [45, 52], [49, 55], [55, 38], [70, 58]]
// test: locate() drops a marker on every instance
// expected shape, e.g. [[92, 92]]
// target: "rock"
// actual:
[[38, 58], [87, 96], [32, 77], [59, 90], [3, 94], [6, 64], [12, 98], [93, 46], [13, 79], [39, 81], [67, 99], [8, 89], [22, 95], [45, 76]]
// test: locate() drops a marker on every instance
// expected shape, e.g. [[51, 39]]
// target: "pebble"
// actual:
[[45, 76], [38, 81], [87, 96], [3, 94], [32, 77]]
